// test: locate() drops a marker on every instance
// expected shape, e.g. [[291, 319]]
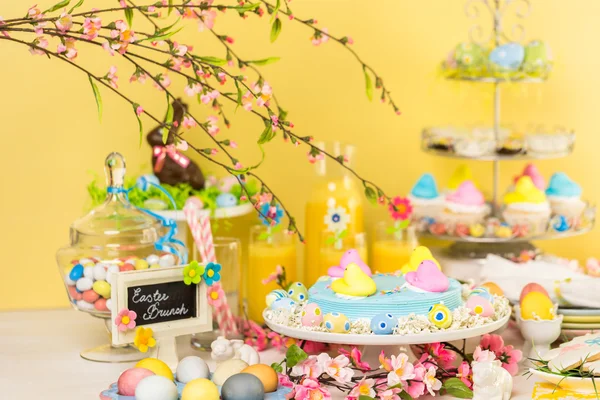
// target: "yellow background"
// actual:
[[52, 137]]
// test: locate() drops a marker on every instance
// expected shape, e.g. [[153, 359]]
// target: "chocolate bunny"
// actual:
[[170, 166]]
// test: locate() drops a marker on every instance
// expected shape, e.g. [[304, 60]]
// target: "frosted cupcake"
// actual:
[[425, 198], [565, 196], [465, 205], [532, 172], [527, 205]]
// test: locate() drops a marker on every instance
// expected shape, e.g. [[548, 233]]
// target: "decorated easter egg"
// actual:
[[100, 272], [75, 295], [76, 272], [102, 288], [537, 56], [226, 200], [440, 316], [297, 292], [101, 304], [226, 369], [84, 284], [157, 366], [532, 287], [508, 56], [190, 368], [129, 380], [483, 292], [167, 260], [84, 305], [88, 272], [200, 389], [285, 304], [493, 288], [108, 304], [312, 315], [336, 323], [156, 387], [383, 324], [141, 264], [275, 295], [112, 269], [469, 55], [126, 267], [90, 296], [480, 306], [243, 387], [152, 259], [536, 305], [266, 374]]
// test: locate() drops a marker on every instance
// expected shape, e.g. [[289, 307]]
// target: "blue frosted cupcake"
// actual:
[[565, 196], [425, 198]]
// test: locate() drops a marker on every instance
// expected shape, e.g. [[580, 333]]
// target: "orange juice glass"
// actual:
[[392, 247]]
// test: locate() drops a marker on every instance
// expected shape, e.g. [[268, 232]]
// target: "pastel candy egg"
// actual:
[[226, 200], [129, 380], [101, 304], [483, 292], [200, 389], [112, 269], [130, 261], [90, 296], [275, 295], [68, 281], [440, 316], [243, 387], [336, 323], [536, 305], [156, 387], [297, 292], [282, 304], [154, 266], [312, 315], [76, 272], [108, 304], [152, 259], [508, 56], [191, 368], [85, 306], [493, 288], [75, 295], [167, 260], [126, 267], [100, 272], [84, 284], [532, 287], [88, 272], [480, 306], [102, 288], [141, 264], [383, 324], [85, 261]]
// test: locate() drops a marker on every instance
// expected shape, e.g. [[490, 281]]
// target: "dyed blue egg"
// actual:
[[483, 292], [559, 223], [275, 295], [383, 324], [282, 304], [76, 272], [226, 200], [508, 56]]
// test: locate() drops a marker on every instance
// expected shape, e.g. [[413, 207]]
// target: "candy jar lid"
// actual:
[[116, 222]]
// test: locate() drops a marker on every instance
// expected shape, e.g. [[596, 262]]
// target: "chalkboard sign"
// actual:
[[162, 302]]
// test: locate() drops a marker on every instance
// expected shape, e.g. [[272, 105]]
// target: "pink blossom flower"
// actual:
[[216, 295], [491, 342], [390, 394], [34, 12], [284, 381], [238, 165], [138, 77], [464, 374], [265, 94], [192, 89], [247, 101], [349, 40], [274, 275], [182, 146], [91, 27], [440, 354], [363, 388], [188, 122], [222, 78], [402, 370], [64, 22], [108, 49], [313, 159], [483, 355], [431, 382], [310, 389], [212, 126], [233, 144], [180, 49], [207, 19], [112, 77], [123, 36], [125, 320], [165, 82], [356, 358], [139, 110], [510, 358], [320, 38], [337, 368], [416, 387], [386, 363], [39, 43], [209, 96], [276, 340], [311, 368]]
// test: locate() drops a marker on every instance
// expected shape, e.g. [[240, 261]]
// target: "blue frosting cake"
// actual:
[[390, 298]]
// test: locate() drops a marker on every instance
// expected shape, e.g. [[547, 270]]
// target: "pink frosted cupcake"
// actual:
[[465, 205]]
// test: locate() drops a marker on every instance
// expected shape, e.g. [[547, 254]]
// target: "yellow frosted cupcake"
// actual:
[[527, 205]]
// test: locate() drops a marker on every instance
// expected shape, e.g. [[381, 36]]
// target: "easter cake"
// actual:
[[418, 298]]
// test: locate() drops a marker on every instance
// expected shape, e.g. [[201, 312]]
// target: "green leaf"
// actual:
[[330, 240], [267, 134], [404, 224], [247, 7], [390, 230], [276, 10], [97, 96], [170, 113], [58, 6], [239, 95], [363, 397], [405, 396], [371, 194], [455, 387], [275, 30], [263, 236], [79, 4], [264, 61], [170, 7], [213, 60], [343, 234], [129, 16], [277, 367], [160, 36], [368, 84], [135, 106], [294, 356]]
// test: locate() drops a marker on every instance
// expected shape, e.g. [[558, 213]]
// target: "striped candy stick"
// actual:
[[191, 216]]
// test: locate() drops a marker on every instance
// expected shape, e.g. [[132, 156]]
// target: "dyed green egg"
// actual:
[[336, 323], [538, 57], [469, 55], [440, 316], [298, 292]]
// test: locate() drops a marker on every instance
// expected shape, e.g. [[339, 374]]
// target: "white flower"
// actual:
[[337, 219], [431, 381], [337, 368], [402, 370]]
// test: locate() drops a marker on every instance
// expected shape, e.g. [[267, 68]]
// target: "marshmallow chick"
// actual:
[[427, 278], [349, 257], [525, 192], [419, 254], [461, 174], [354, 283], [532, 172]]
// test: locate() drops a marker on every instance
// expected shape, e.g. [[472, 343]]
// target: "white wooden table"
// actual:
[[39, 357]]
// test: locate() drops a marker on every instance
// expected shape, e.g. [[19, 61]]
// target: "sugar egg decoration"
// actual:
[[312, 315], [297, 292], [275, 295], [336, 323], [283, 304], [480, 306], [536, 305], [383, 324], [483, 292], [440, 316]]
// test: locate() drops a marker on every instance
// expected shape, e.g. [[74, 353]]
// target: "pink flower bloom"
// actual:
[[34, 12], [402, 370], [440, 354], [390, 394], [164, 80], [311, 368], [188, 122], [68, 48], [222, 78], [209, 97], [212, 126], [182, 146], [363, 388], [64, 22], [215, 295], [125, 320], [403, 208], [310, 389], [337, 368], [91, 27], [112, 77], [138, 77], [432, 383], [416, 387], [264, 95], [41, 43], [284, 381], [510, 358], [319, 38], [238, 165], [356, 358], [180, 49], [350, 40], [233, 144], [492, 342], [207, 19], [313, 159], [483, 355], [464, 374], [386, 363], [276, 340], [247, 101], [213, 152], [139, 110], [192, 89]]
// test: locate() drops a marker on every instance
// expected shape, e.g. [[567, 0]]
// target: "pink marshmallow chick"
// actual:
[[467, 194], [428, 278], [532, 172], [349, 257]]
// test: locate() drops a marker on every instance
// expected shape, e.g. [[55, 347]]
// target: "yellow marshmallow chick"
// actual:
[[420, 254], [461, 174], [354, 283], [525, 192]]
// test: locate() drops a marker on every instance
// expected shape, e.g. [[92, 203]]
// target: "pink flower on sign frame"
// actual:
[[125, 320], [216, 295]]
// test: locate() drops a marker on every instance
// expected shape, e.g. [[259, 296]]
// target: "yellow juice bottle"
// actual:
[[264, 255], [392, 248]]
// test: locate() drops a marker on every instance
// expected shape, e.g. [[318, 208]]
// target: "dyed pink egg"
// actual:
[[90, 296], [480, 306], [126, 267], [129, 380], [75, 295], [312, 315], [532, 287], [100, 305]]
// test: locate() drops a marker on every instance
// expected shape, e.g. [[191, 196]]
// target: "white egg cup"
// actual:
[[538, 334]]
